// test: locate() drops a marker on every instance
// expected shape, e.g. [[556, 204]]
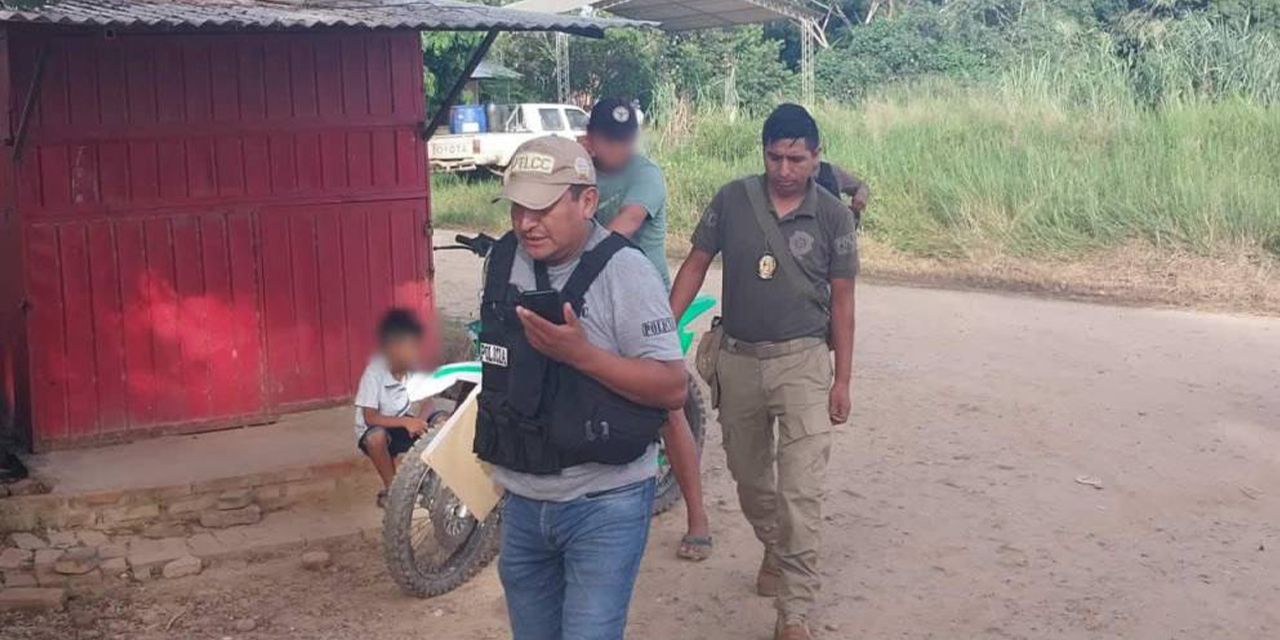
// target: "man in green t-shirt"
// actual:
[[633, 202], [633, 195]]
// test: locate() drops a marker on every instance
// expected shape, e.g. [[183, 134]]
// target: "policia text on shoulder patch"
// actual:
[[658, 327]]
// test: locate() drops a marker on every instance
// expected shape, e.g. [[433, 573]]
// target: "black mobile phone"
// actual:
[[545, 303]]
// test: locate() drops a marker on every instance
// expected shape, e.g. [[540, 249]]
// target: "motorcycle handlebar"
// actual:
[[479, 245]]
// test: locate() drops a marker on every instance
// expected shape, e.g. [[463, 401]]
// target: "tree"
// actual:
[[623, 63], [923, 42], [444, 58], [630, 63], [957, 39], [698, 63]]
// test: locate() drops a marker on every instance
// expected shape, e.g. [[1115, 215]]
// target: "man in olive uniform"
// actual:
[[790, 257]]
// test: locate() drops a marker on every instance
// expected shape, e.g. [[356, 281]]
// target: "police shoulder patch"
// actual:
[[658, 327], [847, 244]]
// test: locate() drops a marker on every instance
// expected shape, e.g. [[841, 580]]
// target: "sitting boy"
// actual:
[[385, 428]]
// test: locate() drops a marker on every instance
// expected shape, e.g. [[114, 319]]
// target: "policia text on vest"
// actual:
[[537, 415]]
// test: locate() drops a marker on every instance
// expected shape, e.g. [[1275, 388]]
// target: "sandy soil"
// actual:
[[953, 508]]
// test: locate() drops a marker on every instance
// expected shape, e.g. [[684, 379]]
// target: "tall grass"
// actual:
[[1054, 157], [1199, 60]]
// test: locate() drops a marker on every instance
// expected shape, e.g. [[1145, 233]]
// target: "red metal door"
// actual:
[[213, 222], [329, 271]]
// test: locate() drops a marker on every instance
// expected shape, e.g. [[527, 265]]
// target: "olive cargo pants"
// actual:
[[783, 505]]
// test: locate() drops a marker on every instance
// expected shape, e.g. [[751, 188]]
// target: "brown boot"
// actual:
[[769, 580], [791, 628]]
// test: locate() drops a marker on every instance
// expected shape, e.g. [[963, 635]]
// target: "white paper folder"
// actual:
[[450, 456]]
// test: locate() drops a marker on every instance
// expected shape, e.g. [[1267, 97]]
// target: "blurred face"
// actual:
[[401, 352], [789, 163], [556, 234], [609, 155]]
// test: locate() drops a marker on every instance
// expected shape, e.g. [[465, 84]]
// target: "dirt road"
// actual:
[[954, 507]]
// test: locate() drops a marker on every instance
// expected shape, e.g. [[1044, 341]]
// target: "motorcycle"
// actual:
[[431, 542]]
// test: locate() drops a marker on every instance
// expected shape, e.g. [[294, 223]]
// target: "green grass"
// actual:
[[1034, 165], [984, 172], [464, 202]]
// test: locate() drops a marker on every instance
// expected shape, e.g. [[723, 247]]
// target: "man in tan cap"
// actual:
[[581, 364]]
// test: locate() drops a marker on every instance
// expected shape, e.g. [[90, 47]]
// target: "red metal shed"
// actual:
[[207, 203]]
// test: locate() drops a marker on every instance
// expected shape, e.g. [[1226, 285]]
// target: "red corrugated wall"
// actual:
[[213, 222]]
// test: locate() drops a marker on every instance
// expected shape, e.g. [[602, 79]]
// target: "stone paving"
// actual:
[[116, 510], [83, 559], [302, 458], [168, 508]]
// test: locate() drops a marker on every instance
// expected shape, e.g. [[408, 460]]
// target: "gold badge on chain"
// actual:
[[767, 267]]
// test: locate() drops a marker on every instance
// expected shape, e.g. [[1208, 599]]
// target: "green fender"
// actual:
[[700, 305], [432, 383]]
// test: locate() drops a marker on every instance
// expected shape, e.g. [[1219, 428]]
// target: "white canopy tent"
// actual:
[[685, 15], [689, 15]]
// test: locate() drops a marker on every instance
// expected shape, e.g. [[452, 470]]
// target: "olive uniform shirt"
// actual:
[[819, 233]]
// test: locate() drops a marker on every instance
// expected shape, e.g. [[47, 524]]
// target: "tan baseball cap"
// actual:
[[542, 169]]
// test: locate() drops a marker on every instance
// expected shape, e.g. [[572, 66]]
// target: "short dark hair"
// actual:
[[576, 190], [399, 323], [791, 122]]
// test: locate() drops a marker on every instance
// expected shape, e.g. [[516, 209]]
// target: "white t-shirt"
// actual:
[[382, 392]]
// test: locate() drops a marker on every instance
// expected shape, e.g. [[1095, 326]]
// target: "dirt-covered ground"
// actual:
[[955, 506]]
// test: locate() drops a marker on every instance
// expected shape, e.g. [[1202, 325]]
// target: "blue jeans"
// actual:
[[568, 568]]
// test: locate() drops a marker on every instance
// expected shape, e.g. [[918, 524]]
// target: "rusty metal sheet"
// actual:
[[423, 15]]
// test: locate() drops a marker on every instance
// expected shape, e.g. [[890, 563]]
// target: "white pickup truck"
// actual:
[[509, 127]]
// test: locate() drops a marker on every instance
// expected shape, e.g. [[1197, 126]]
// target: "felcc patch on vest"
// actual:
[[658, 327], [493, 354]]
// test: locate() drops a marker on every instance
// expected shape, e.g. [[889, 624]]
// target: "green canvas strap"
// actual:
[[787, 264]]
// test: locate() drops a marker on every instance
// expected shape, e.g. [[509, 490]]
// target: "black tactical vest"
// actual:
[[537, 415]]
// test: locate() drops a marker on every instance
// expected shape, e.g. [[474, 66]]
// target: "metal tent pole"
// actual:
[[807, 63], [562, 67]]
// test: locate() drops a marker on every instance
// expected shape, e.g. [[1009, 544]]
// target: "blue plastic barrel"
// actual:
[[468, 118]]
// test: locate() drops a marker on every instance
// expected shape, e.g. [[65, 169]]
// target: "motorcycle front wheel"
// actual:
[[431, 542]]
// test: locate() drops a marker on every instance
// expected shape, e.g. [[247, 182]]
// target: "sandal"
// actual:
[[694, 548]]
